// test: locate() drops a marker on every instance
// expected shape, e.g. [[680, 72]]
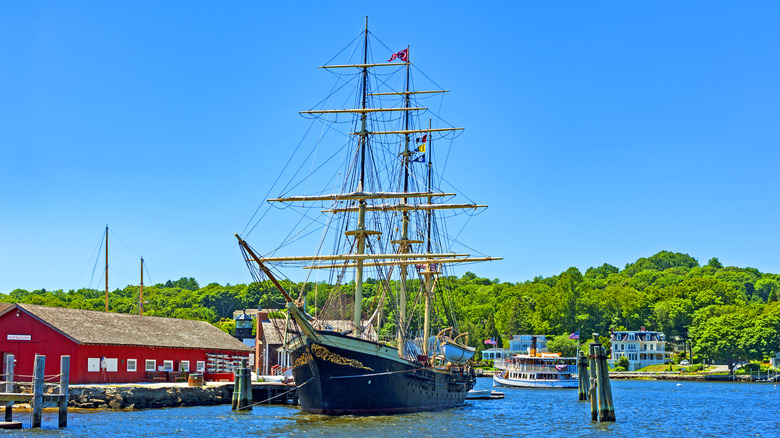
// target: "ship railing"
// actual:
[[542, 368]]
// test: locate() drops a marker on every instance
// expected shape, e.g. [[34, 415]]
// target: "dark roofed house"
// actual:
[[114, 347], [271, 357]]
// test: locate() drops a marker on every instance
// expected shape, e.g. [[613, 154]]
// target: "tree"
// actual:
[[602, 272], [661, 261], [720, 333], [767, 289], [562, 344]]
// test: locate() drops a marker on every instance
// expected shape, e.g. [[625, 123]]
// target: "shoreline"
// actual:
[[140, 396], [135, 396], [667, 375]]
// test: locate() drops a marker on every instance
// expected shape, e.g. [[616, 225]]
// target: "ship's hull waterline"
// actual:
[[343, 376]]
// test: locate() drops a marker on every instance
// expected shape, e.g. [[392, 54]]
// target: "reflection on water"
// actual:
[[643, 409]]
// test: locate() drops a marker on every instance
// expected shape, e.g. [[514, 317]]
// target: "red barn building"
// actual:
[[113, 347]]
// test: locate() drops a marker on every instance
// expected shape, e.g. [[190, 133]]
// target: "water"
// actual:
[[643, 409]]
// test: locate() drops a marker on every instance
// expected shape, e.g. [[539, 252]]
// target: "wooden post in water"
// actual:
[[602, 402], [608, 408], [592, 382], [64, 390], [582, 376], [599, 377], [236, 387], [247, 384], [242, 396], [9, 386], [37, 400]]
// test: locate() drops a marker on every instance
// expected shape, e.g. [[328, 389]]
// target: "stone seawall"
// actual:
[[148, 396]]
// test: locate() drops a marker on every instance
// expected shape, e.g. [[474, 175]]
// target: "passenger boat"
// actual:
[[537, 370], [381, 226]]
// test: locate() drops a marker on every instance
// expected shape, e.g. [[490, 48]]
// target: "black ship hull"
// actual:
[[347, 376]]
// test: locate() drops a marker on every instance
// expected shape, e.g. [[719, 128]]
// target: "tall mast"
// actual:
[[141, 294], [429, 153], [361, 228], [404, 242], [106, 268], [429, 271]]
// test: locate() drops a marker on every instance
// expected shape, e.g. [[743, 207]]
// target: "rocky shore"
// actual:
[[146, 396]]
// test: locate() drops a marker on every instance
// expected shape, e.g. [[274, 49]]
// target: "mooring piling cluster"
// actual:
[[599, 390], [242, 387]]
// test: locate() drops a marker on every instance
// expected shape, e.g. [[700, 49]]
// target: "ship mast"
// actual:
[[360, 233], [141, 294], [106, 268], [428, 271], [404, 242]]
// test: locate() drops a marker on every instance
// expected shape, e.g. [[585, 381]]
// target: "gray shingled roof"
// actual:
[[272, 334], [274, 329], [91, 327]]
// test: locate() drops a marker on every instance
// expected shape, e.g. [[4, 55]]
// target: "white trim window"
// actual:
[[167, 365], [200, 366], [184, 366], [112, 364], [93, 364], [150, 365], [132, 365]]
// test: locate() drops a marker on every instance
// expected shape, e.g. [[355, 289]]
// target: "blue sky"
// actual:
[[597, 132]]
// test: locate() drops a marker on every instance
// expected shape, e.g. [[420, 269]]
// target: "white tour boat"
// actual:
[[537, 370]]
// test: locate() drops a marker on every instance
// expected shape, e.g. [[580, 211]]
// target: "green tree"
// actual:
[[562, 344], [715, 263]]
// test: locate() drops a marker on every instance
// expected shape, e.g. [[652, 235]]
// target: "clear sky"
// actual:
[[596, 131]]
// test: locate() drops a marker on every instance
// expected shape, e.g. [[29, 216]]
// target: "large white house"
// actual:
[[642, 348], [518, 344]]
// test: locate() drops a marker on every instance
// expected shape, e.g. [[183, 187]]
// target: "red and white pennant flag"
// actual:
[[403, 55]]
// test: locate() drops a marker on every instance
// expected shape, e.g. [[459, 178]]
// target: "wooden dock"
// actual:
[[274, 393], [37, 398]]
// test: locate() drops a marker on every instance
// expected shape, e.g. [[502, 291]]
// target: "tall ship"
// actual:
[[371, 330]]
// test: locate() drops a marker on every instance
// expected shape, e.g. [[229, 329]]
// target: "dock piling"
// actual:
[[242, 387], [601, 407], [62, 404], [609, 408], [247, 384], [9, 386], [38, 379], [592, 382], [236, 388], [582, 376]]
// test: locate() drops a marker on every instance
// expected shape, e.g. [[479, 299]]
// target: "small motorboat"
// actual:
[[484, 394]]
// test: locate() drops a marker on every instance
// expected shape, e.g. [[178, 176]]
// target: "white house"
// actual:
[[519, 344], [774, 361], [642, 348]]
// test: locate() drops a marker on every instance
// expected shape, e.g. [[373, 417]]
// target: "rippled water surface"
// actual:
[[643, 409]]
